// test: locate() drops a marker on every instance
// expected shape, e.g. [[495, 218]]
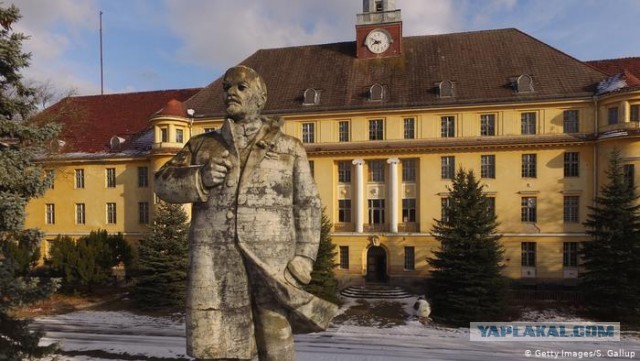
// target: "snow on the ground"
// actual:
[[124, 333]]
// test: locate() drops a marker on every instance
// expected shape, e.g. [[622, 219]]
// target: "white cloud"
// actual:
[[53, 28], [221, 34], [430, 17]]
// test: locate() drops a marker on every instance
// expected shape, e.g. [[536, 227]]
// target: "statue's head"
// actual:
[[245, 93]]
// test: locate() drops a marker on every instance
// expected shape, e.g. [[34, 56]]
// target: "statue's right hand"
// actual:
[[214, 172]]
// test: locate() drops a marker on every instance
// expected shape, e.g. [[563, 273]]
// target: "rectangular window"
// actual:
[[409, 128], [447, 127], [143, 177], [570, 121], [529, 165], [447, 167], [528, 210], [570, 254], [488, 166], [376, 171], [343, 131], [571, 208], [528, 254], [612, 115], [408, 210], [51, 176], [344, 210], [528, 121], [50, 213], [487, 124], [111, 177], [444, 209], [571, 164], [79, 178], [629, 175], [376, 129], [80, 213], [344, 257], [179, 136], [409, 258], [111, 213], [164, 134], [408, 170], [376, 211], [207, 130], [308, 132], [491, 205], [143, 212], [344, 171], [634, 113]]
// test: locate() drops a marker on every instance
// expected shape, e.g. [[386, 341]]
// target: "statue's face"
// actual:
[[243, 96]]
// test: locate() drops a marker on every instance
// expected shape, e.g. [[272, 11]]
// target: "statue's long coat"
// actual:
[[243, 234]]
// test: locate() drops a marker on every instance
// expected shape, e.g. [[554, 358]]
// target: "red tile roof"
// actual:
[[616, 66], [89, 122], [482, 66]]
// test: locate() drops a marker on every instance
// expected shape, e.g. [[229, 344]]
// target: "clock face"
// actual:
[[377, 41]]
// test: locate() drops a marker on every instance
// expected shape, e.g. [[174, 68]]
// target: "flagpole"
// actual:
[[101, 64]]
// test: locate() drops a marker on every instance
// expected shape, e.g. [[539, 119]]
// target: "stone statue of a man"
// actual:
[[255, 230]]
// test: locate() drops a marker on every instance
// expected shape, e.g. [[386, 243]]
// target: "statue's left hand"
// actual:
[[301, 267]]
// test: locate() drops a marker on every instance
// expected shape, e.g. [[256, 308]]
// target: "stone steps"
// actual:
[[375, 291]]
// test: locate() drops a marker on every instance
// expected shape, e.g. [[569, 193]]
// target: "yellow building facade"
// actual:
[[386, 129]]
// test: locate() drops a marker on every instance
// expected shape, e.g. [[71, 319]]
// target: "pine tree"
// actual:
[[20, 180], [161, 278], [611, 281], [466, 284], [323, 280]]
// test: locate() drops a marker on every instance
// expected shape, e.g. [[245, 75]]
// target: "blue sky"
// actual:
[[171, 44]]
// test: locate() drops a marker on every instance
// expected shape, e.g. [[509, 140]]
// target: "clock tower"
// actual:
[[378, 30]]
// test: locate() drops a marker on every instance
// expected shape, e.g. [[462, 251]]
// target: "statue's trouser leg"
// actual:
[[273, 333]]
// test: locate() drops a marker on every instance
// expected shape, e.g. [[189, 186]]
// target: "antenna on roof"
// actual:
[[101, 66]]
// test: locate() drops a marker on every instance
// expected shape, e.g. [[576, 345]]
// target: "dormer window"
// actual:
[[116, 142], [56, 145], [311, 97], [524, 84], [376, 93], [446, 89]]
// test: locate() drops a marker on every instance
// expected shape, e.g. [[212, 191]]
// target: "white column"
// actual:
[[393, 194], [358, 195]]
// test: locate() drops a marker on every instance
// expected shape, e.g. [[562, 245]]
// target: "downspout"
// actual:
[[595, 149]]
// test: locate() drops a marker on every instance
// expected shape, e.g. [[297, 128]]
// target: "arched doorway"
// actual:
[[376, 264]]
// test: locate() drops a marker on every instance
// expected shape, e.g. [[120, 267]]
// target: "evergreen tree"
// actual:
[[611, 281], [163, 257], [323, 280], [88, 262], [20, 180], [466, 284]]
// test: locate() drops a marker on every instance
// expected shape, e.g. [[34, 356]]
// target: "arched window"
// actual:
[[446, 89], [311, 97], [376, 92], [524, 84]]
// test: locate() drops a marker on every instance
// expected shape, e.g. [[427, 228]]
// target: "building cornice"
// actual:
[[447, 144]]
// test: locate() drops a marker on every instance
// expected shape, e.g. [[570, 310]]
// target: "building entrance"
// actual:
[[376, 264]]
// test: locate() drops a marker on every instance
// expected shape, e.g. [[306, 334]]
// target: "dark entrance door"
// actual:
[[376, 264]]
